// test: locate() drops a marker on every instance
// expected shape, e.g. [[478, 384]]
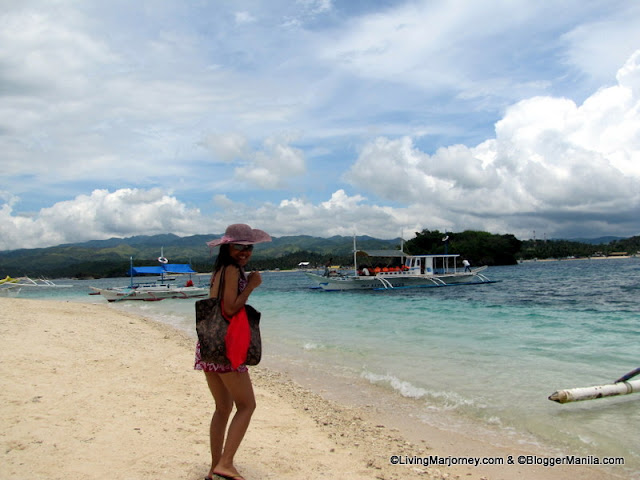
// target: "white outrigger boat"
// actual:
[[150, 292], [14, 285], [155, 291], [407, 271]]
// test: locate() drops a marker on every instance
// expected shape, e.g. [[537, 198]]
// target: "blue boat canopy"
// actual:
[[146, 270], [162, 269], [178, 268]]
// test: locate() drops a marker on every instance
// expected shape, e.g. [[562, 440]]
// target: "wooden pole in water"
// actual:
[[600, 391]]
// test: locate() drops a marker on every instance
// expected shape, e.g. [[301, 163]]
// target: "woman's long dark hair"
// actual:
[[224, 258]]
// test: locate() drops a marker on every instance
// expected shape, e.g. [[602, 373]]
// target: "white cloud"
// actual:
[[244, 18], [100, 215], [222, 201], [129, 212], [227, 147], [340, 215], [317, 6], [550, 159], [504, 116], [47, 55], [85, 105], [599, 46], [126, 212], [273, 166], [435, 46]]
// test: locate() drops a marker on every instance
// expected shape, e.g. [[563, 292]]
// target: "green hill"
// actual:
[[111, 258]]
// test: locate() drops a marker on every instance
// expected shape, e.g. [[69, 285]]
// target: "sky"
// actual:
[[318, 117]]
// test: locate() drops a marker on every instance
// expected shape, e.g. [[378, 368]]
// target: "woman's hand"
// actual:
[[254, 280]]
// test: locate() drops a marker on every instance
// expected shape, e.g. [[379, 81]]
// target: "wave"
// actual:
[[437, 400]]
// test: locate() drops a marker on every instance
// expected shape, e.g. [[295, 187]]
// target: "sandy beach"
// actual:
[[88, 392]]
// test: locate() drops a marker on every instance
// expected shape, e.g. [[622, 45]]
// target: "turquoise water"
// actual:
[[482, 357]]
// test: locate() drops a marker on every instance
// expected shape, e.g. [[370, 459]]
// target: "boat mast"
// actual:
[[355, 254]]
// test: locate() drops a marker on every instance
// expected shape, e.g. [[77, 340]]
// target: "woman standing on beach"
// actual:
[[231, 386]]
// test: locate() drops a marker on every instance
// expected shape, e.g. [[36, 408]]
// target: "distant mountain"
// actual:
[[596, 241], [111, 257]]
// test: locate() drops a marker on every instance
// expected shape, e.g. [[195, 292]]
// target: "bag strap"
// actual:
[[221, 283]]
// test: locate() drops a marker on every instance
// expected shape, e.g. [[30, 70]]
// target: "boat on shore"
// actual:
[[13, 285], [158, 290], [400, 270]]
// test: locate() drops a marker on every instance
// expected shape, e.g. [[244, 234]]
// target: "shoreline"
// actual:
[[610, 257], [87, 389]]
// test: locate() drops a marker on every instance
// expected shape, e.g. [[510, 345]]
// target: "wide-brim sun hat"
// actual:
[[242, 234]]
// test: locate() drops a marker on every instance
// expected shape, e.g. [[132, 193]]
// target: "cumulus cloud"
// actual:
[[268, 168], [100, 215], [341, 214], [129, 212], [273, 166], [551, 161]]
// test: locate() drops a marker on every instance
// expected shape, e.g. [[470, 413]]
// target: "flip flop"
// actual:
[[228, 477]]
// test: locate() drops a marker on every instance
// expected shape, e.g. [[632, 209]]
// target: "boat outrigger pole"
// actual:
[[623, 386], [629, 375]]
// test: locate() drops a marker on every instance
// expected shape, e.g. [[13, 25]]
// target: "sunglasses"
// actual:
[[242, 248]]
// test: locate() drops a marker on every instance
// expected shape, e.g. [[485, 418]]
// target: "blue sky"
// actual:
[[318, 117]]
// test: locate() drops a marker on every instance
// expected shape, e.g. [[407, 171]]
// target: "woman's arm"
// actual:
[[232, 300]]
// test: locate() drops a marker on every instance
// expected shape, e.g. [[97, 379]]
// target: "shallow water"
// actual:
[[482, 355]]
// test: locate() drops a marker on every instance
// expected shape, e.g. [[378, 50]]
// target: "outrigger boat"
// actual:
[[402, 271], [158, 290], [14, 285]]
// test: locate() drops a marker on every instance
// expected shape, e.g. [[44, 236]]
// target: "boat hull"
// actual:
[[151, 294], [391, 281]]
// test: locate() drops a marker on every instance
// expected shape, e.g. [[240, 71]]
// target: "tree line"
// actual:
[[111, 258], [480, 248], [483, 248]]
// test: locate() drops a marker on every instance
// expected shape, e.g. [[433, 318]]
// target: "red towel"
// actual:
[[238, 338]]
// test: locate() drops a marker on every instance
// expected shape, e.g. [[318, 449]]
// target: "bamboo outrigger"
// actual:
[[622, 386]]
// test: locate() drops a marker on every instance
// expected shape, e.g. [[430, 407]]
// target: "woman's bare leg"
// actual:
[[218, 427], [238, 384]]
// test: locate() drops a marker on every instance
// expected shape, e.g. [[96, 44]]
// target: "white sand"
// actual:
[[88, 392]]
